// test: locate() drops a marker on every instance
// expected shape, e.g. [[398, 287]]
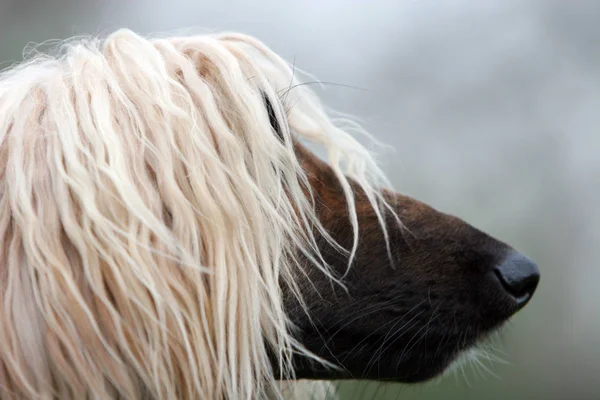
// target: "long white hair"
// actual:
[[149, 216]]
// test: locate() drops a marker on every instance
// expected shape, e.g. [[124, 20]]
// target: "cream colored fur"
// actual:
[[149, 217]]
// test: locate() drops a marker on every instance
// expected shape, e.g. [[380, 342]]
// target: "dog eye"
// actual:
[[273, 117]]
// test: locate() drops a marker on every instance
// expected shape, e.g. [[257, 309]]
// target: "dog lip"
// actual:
[[523, 300]]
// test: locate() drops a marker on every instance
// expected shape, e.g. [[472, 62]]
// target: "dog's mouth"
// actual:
[[430, 361], [407, 346], [418, 355], [424, 365]]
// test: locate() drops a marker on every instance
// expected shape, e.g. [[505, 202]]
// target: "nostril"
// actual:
[[519, 276]]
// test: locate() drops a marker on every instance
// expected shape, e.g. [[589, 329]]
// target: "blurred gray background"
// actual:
[[493, 107]]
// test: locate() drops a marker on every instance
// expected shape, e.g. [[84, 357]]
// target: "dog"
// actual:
[[167, 233]]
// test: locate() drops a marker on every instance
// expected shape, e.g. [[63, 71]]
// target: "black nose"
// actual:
[[519, 276]]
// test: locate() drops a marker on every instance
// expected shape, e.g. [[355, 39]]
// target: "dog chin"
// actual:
[[463, 359], [443, 369]]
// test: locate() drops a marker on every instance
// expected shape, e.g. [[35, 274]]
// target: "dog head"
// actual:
[[416, 295]]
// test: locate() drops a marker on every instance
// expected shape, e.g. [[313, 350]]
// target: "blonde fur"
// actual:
[[149, 215]]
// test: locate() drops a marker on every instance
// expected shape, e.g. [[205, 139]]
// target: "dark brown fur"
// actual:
[[404, 320]]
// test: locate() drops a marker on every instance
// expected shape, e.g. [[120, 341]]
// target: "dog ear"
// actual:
[[272, 117]]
